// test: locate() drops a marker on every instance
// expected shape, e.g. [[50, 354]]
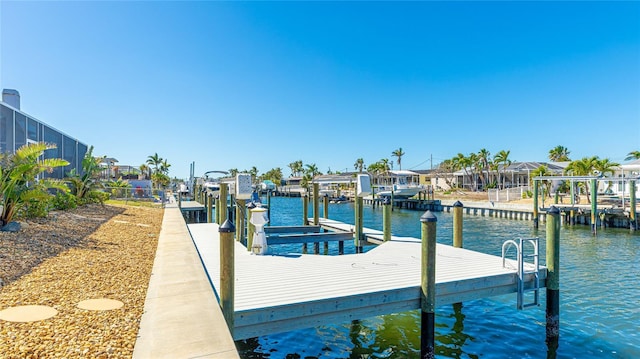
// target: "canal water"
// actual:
[[599, 294]]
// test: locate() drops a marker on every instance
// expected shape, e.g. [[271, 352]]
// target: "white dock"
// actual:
[[277, 293]]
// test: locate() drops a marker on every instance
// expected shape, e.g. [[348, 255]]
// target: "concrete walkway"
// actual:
[[182, 318]]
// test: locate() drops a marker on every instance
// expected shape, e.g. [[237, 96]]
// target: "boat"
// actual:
[[402, 184]]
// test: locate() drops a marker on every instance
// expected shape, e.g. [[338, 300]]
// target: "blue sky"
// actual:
[[242, 84]]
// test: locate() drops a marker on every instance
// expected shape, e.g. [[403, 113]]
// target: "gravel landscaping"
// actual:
[[93, 252]]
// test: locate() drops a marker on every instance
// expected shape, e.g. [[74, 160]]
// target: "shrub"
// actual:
[[63, 201]]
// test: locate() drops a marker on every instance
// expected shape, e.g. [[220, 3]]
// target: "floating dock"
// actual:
[[279, 293]]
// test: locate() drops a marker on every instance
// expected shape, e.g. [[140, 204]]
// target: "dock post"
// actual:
[[457, 224], [553, 277], [305, 216], [217, 205], [428, 285], [633, 225], [224, 191], [535, 204], [594, 205], [357, 238], [269, 205], [251, 228], [325, 213], [241, 214], [179, 199], [209, 207], [386, 219], [227, 275], [316, 213]]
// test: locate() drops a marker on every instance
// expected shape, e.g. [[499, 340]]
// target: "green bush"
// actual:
[[35, 208], [95, 197], [63, 201], [527, 194]]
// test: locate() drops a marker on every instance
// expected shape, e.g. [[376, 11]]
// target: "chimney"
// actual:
[[11, 98]]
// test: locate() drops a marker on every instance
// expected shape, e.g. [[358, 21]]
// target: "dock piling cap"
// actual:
[[428, 216], [227, 227], [553, 210], [458, 204]]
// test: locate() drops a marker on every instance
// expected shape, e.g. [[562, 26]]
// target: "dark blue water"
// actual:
[[599, 293]]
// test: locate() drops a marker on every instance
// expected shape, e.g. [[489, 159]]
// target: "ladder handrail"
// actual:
[[520, 244]]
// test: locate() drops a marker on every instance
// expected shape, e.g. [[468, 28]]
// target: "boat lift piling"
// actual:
[[553, 278], [633, 224], [428, 285], [386, 219], [227, 273], [457, 224]]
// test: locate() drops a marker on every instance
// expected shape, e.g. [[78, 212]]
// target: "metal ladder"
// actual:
[[521, 269]]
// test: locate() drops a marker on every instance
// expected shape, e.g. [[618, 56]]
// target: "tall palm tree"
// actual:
[[633, 155], [539, 172], [164, 166], [359, 165], [312, 170], [559, 154], [398, 153], [483, 163], [296, 168], [605, 166], [502, 157], [582, 167], [144, 169], [154, 161]]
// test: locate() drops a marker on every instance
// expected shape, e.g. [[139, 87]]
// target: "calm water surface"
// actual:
[[599, 293]]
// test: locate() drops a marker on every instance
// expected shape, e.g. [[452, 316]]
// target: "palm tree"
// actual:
[[144, 169], [154, 161], [483, 163], [398, 153], [605, 166], [582, 167], [559, 154], [296, 168], [312, 170], [359, 165], [633, 155], [539, 172], [502, 157], [164, 166], [254, 173]]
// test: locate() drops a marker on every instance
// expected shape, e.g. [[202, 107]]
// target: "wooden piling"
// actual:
[[457, 224], [305, 216], [250, 227], [325, 213], [535, 204], [269, 206], [241, 213], [553, 276], [179, 199], [357, 238], [594, 205], [209, 207], [223, 215], [227, 274], [217, 205], [386, 219], [428, 285], [633, 224]]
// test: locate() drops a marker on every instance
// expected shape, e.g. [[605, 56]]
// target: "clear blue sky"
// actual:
[[242, 84]]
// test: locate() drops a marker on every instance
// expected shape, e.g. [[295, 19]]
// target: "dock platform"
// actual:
[[279, 293]]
